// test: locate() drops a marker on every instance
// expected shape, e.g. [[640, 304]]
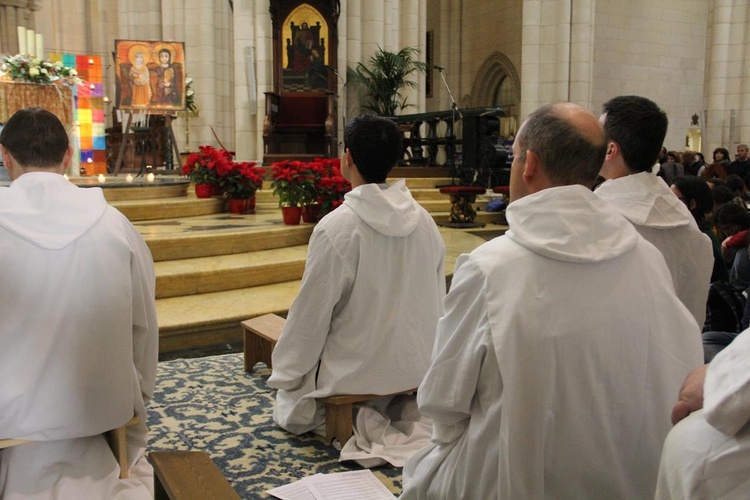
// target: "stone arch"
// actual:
[[496, 71]]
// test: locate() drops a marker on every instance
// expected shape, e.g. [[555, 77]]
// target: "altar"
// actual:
[[57, 99]]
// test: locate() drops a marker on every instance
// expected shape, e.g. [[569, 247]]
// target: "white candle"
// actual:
[[128, 178], [101, 178], [21, 40], [150, 177], [30, 43], [40, 46]]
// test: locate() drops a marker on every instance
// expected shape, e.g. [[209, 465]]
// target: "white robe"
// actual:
[[556, 362], [707, 455], [660, 217], [364, 320], [79, 341]]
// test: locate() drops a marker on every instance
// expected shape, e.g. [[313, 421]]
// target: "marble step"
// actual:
[[176, 278]]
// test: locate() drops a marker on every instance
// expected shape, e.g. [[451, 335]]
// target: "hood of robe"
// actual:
[[389, 209], [48, 211], [570, 224], [646, 200]]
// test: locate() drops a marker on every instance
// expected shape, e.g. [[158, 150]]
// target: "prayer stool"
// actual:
[[462, 213], [188, 475], [260, 337], [340, 411]]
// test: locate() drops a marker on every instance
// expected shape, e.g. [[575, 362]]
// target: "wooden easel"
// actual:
[[126, 136]]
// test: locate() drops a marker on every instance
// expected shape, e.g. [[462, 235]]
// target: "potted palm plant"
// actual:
[[387, 74]]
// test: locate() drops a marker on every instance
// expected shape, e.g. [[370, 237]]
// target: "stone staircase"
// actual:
[[215, 269]]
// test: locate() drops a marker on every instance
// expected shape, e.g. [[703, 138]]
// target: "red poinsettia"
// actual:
[[331, 185], [204, 166], [240, 180], [291, 182]]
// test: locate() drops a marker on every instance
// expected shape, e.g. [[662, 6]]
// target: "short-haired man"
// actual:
[[561, 341], [364, 320], [635, 128], [741, 164], [78, 336]]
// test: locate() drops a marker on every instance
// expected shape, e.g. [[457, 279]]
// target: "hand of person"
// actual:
[[691, 394]]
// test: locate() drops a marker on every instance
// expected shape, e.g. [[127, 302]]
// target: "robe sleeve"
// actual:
[[145, 326], [727, 387], [462, 343], [326, 279]]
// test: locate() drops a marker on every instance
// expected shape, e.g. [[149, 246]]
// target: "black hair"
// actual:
[[639, 127], [375, 144], [695, 189], [724, 151], [35, 138]]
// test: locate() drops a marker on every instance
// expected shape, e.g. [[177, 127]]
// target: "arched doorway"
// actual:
[[497, 85]]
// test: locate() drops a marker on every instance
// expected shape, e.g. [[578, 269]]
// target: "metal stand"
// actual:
[[452, 136]]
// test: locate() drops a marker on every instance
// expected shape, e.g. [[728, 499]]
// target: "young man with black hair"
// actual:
[[364, 320], [636, 128], [78, 336]]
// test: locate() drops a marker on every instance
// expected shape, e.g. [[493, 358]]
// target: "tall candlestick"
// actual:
[[30, 43], [21, 40], [39, 46]]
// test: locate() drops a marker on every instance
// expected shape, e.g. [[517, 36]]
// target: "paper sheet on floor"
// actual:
[[355, 485]]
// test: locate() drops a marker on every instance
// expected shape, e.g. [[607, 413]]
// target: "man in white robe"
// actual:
[[364, 320], [78, 336], [561, 341], [636, 128], [707, 455]]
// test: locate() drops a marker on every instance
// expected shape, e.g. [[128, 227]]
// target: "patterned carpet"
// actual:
[[211, 404]]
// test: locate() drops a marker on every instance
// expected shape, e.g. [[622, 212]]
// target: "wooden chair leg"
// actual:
[[339, 422]]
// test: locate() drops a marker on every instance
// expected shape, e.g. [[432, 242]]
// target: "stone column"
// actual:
[[717, 105], [14, 13]]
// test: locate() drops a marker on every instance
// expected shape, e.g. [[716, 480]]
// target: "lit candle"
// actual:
[[40, 46], [128, 178], [21, 40], [89, 160], [150, 177], [30, 43], [101, 178]]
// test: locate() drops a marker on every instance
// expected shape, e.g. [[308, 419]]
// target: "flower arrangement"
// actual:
[[239, 181], [190, 103], [292, 183], [202, 167], [330, 186], [28, 69]]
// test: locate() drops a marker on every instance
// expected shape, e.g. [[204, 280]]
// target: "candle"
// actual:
[[30, 43], [101, 178], [150, 177], [40, 46], [128, 178], [21, 40]]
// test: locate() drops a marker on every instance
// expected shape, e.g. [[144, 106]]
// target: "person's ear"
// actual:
[[531, 166], [613, 149], [693, 205]]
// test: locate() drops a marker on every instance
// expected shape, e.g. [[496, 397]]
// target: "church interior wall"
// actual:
[[655, 49]]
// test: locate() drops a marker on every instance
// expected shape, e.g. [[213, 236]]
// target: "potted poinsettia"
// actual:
[[202, 167], [331, 186], [240, 181], [292, 185]]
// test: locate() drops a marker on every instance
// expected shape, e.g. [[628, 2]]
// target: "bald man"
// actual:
[[562, 342]]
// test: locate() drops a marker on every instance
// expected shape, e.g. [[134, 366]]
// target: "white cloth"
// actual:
[[556, 362], [79, 340], [707, 455], [660, 217], [364, 320]]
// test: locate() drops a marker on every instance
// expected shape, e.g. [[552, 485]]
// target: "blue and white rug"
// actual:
[[211, 404]]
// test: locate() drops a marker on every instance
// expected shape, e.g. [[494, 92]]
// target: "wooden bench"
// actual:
[[259, 338], [340, 411], [188, 475]]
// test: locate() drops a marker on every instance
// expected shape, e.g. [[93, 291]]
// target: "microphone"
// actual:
[[439, 68]]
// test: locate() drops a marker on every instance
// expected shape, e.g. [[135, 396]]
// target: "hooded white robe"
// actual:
[[78, 341], [660, 217], [707, 454], [364, 320], [556, 362]]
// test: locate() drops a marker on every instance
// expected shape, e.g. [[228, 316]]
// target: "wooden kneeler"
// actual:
[[188, 475], [260, 335], [340, 413]]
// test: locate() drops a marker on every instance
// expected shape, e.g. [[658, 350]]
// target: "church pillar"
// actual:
[[582, 53], [373, 28], [718, 108], [14, 13], [411, 35]]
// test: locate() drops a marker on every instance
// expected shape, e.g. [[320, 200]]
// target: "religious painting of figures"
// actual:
[[150, 75], [305, 59]]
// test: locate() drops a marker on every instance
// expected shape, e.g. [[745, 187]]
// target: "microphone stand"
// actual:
[[454, 110]]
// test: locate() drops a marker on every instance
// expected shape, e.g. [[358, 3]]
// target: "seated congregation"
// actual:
[[549, 369]]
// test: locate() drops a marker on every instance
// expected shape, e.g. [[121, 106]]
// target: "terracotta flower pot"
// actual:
[[203, 190], [310, 213], [242, 206], [291, 215]]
